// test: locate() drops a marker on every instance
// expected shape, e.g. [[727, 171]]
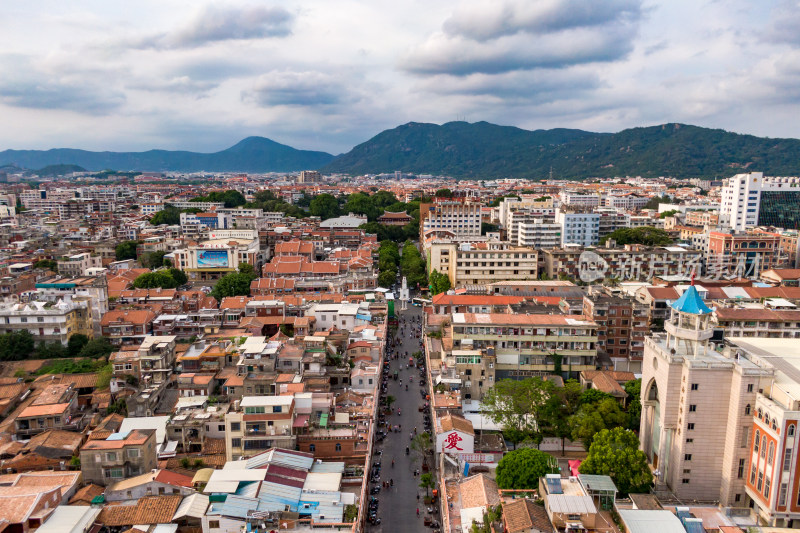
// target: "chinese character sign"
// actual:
[[451, 442]]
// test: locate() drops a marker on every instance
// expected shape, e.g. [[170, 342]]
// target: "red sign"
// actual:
[[451, 442]]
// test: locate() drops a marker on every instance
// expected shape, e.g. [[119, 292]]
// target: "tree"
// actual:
[[634, 390], [54, 350], [592, 418], [646, 235], [155, 280], [233, 284], [438, 282], [97, 348], [593, 396], [233, 199], [421, 445], [560, 406], [516, 405], [521, 469], [669, 213], [488, 228], [153, 259], [444, 193], [179, 276], [104, 376], [427, 482], [655, 200], [386, 278], [126, 250], [76, 343], [390, 400], [412, 266], [615, 452], [16, 345], [324, 206], [46, 264]]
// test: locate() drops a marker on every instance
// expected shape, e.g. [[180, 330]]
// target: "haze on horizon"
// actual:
[[323, 75]]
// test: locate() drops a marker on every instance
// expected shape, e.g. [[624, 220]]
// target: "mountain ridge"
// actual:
[[252, 154], [483, 150]]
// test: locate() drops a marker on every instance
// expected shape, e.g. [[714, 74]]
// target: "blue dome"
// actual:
[[690, 302]]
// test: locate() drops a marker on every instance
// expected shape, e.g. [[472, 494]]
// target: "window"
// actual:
[[782, 495], [689, 441], [111, 456], [787, 459], [133, 453], [790, 431], [771, 454], [338, 447], [690, 426], [766, 487], [236, 443], [687, 457], [740, 472], [763, 446], [750, 388], [312, 447], [747, 409], [236, 426], [213, 524], [692, 408], [685, 481], [694, 386], [737, 498], [753, 474], [756, 441], [760, 481], [221, 427]]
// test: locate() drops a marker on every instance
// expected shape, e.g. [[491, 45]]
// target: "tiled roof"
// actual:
[[86, 494], [147, 510], [135, 437], [454, 422], [44, 410], [478, 491], [522, 515], [173, 478]]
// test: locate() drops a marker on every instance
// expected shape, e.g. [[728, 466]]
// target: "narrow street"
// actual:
[[398, 504]]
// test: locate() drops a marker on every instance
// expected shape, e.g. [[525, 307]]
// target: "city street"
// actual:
[[398, 504]]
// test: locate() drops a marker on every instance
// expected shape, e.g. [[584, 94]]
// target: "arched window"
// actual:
[[747, 409], [766, 418], [771, 453], [756, 441], [763, 446], [759, 413], [338, 447], [774, 424], [791, 430]]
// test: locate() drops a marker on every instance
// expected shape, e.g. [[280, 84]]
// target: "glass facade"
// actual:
[[780, 209]]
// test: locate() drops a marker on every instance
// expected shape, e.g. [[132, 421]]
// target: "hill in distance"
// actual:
[[483, 150], [253, 154], [59, 170]]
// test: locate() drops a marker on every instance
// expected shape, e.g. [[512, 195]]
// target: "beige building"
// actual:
[[482, 263], [79, 264], [263, 422], [104, 462], [696, 407]]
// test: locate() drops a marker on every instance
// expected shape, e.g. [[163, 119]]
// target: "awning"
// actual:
[[301, 421], [323, 420], [168, 449]]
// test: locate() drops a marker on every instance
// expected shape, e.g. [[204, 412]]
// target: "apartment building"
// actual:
[[747, 254], [259, 423], [578, 199], [48, 321], [92, 288], [531, 344], [455, 218], [79, 264], [578, 227], [755, 321], [212, 259], [628, 202], [622, 325], [119, 456], [538, 233], [750, 200], [150, 363], [126, 326], [482, 263], [56, 407]]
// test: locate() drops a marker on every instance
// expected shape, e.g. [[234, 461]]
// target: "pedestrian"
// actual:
[[417, 511]]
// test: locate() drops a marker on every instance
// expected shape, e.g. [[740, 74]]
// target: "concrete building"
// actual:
[[49, 322], [622, 325], [482, 263], [119, 456], [79, 264], [750, 200], [263, 422], [212, 259], [461, 219], [578, 227], [538, 233], [697, 407]]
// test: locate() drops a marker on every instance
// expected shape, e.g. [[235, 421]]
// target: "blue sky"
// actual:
[[113, 75]]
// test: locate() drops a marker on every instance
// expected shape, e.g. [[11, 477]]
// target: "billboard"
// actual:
[[212, 259]]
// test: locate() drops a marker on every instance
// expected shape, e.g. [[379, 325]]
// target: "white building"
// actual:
[[580, 200], [343, 316], [539, 233], [462, 219], [745, 195], [578, 227]]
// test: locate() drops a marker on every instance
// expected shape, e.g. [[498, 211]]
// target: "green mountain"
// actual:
[[483, 150], [59, 170], [253, 154]]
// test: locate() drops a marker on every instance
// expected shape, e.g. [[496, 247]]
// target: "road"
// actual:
[[398, 505]]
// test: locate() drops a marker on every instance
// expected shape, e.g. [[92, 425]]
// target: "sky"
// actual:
[[327, 75]]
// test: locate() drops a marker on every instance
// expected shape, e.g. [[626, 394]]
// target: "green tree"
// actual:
[[488, 228], [669, 213], [444, 193], [427, 482], [324, 206], [76, 343], [126, 250], [54, 350], [521, 469], [386, 278], [646, 235], [16, 345], [563, 402], [153, 280], [439, 282], [615, 453], [594, 396], [516, 405], [634, 390], [104, 376], [233, 199], [179, 276], [153, 260], [655, 200], [421, 445], [96, 348], [234, 284], [46, 264], [169, 215], [592, 418], [412, 266]]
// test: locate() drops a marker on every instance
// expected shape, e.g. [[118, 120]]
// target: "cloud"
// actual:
[[214, 24], [784, 24], [176, 84], [483, 21], [493, 38], [44, 87], [290, 88]]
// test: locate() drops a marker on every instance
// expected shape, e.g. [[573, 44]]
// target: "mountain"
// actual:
[[253, 154], [483, 150], [59, 170]]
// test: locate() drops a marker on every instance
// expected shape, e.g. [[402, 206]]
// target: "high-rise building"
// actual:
[[750, 200], [451, 217], [578, 227]]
